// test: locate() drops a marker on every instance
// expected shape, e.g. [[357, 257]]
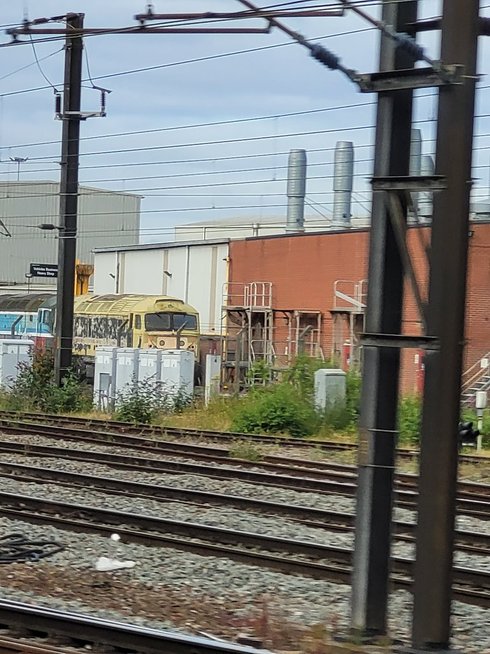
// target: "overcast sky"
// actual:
[[164, 84]]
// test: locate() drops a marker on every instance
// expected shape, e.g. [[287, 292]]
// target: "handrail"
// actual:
[[474, 373]]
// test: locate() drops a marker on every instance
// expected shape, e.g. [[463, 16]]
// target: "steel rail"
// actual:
[[212, 434], [315, 560], [94, 630], [276, 464], [474, 542], [405, 498]]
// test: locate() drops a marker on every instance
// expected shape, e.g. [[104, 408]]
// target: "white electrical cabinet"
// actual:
[[177, 372], [13, 353], [149, 366], [168, 374], [329, 388], [105, 377], [127, 363]]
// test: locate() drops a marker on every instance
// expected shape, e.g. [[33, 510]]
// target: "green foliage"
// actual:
[[301, 374], [245, 450], [259, 373], [409, 419], [35, 389], [279, 408], [144, 401]]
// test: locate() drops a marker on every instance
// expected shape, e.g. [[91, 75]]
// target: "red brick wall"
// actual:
[[304, 268]]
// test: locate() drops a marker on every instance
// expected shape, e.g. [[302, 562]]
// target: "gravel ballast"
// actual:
[[196, 592], [168, 588]]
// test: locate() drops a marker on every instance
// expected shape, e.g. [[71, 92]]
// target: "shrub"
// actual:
[[409, 419], [35, 389], [279, 408], [259, 373], [144, 401], [301, 374]]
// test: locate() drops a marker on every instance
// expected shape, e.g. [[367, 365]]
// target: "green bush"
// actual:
[[143, 402], [409, 419], [35, 389], [301, 374], [279, 408]]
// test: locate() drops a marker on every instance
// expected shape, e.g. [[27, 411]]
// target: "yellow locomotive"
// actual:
[[147, 321]]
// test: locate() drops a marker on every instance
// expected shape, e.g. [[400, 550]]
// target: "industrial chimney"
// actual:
[[425, 199], [416, 162], [342, 183], [296, 191]]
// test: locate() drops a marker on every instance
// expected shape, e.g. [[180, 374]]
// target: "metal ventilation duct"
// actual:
[[342, 183], [416, 161], [425, 199], [296, 189]]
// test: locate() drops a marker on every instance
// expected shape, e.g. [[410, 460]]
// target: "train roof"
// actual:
[[25, 302], [128, 303]]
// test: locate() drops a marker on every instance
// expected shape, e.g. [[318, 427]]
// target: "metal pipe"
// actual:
[[342, 183], [296, 190]]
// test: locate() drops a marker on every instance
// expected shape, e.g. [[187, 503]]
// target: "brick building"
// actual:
[[307, 292]]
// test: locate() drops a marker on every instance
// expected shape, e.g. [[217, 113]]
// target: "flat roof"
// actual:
[[82, 187], [162, 246]]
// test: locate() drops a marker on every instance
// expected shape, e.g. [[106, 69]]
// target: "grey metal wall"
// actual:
[[106, 218]]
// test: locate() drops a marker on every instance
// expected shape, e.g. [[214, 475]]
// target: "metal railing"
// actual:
[[350, 295], [475, 373], [252, 295]]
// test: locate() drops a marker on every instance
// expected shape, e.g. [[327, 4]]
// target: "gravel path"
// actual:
[[194, 593]]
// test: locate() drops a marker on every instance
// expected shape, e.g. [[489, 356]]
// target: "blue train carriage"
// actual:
[[146, 321], [28, 316]]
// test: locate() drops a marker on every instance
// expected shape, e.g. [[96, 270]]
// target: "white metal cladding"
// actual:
[[105, 274], [194, 273], [105, 218]]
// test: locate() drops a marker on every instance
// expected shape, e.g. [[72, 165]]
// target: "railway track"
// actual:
[[470, 542], [299, 474], [469, 503], [209, 435], [85, 632], [281, 554]]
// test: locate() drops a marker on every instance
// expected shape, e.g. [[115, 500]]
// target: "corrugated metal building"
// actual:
[[193, 271], [104, 217]]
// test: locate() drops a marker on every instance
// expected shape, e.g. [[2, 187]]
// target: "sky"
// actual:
[[201, 125]]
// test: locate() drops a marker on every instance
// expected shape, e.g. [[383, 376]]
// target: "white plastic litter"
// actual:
[[105, 564]]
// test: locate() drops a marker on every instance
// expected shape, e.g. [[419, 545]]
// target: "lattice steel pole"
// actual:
[[379, 398], [447, 292]]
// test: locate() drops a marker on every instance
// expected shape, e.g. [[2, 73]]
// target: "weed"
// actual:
[[245, 450]]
